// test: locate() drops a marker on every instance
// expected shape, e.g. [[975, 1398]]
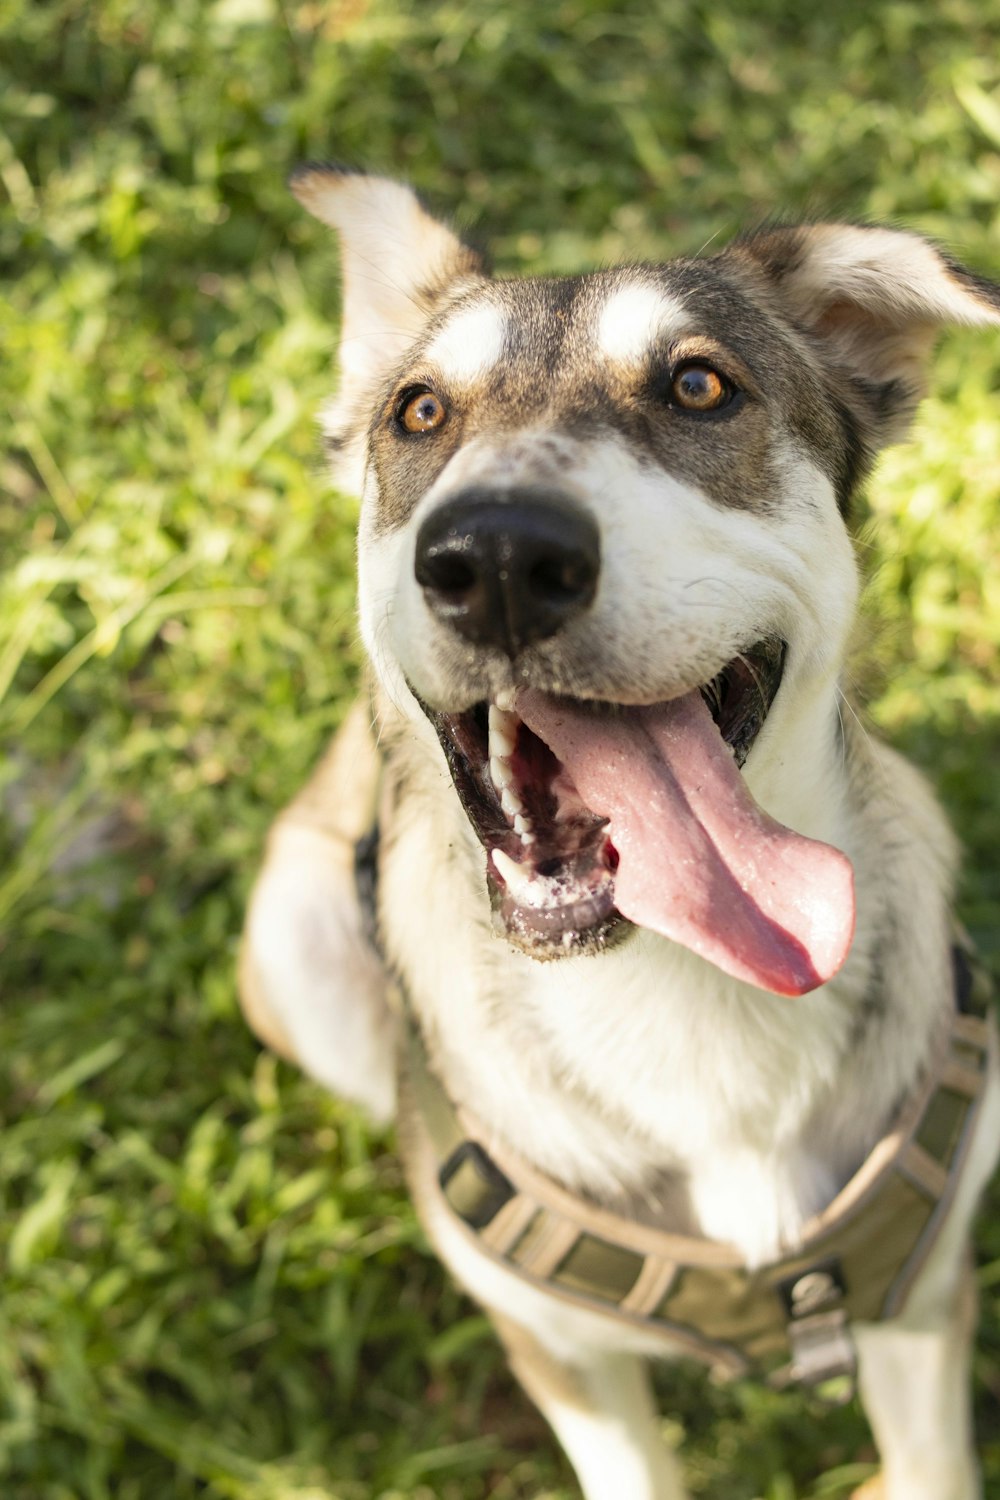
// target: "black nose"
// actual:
[[510, 567]]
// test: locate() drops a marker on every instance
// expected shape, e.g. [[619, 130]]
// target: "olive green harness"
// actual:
[[786, 1321]]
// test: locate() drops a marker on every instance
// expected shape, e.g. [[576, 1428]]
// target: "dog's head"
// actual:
[[603, 547]]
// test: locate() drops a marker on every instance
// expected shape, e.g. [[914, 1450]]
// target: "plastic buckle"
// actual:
[[823, 1353], [823, 1356]]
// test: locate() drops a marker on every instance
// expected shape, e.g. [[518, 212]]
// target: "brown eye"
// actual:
[[420, 411], [700, 388]]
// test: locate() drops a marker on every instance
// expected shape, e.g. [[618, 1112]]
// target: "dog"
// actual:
[[602, 884]]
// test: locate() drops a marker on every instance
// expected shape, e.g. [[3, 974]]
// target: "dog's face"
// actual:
[[603, 548]]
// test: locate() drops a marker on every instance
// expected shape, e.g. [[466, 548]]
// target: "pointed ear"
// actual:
[[398, 267], [876, 300]]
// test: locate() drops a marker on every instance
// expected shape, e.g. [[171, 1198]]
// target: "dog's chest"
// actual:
[[638, 1078], [690, 1078]]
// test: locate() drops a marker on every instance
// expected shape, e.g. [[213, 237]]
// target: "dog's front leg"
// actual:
[[311, 984], [600, 1406], [916, 1391]]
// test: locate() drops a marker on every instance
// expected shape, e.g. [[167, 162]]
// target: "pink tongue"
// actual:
[[699, 861]]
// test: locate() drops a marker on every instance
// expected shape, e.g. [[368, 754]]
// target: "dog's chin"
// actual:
[[550, 858]]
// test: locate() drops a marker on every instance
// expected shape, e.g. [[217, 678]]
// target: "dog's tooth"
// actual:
[[511, 802], [503, 732], [522, 825], [501, 772], [506, 699], [517, 879], [508, 869]]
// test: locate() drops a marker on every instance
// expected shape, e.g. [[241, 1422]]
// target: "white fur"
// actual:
[[633, 320], [615, 1447], [470, 343], [324, 984]]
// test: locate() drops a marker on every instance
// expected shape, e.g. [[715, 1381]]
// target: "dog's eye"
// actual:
[[420, 411], [698, 387]]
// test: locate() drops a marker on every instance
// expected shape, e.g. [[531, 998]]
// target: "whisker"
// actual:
[[759, 686]]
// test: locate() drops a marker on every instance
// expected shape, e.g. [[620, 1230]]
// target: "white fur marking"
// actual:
[[470, 344], [633, 319]]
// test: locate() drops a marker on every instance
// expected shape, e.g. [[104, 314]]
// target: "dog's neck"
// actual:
[[646, 1066]]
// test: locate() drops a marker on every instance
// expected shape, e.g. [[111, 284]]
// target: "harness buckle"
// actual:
[[823, 1354]]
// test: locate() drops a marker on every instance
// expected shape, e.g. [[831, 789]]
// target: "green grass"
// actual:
[[213, 1285]]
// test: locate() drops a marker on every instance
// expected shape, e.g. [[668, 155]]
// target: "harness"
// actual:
[[785, 1322]]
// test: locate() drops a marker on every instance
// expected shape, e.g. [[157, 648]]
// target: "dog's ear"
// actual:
[[876, 299], [398, 265]]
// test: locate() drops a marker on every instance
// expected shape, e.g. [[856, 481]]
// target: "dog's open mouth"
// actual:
[[594, 815]]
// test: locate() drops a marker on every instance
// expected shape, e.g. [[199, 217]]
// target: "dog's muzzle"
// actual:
[[595, 813], [507, 568]]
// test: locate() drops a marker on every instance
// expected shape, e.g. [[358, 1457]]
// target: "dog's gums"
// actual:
[[557, 791]]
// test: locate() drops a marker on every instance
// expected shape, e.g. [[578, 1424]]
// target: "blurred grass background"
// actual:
[[213, 1285]]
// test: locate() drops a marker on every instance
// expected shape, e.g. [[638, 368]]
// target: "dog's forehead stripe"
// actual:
[[470, 344], [633, 319]]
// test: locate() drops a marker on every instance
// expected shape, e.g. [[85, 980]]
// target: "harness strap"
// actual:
[[787, 1321]]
